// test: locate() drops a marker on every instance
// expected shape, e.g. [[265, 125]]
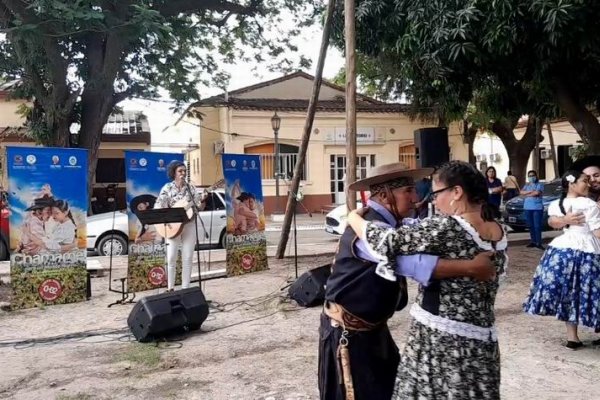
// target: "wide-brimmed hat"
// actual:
[[389, 172], [143, 198], [245, 195], [40, 203], [585, 162]]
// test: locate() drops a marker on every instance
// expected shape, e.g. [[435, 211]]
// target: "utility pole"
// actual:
[[350, 41], [308, 123]]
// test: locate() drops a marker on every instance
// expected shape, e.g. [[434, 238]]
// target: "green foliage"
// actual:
[[143, 354], [506, 56], [64, 50]]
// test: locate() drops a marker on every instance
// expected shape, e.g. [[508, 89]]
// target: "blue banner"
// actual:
[[146, 174], [48, 201], [246, 240]]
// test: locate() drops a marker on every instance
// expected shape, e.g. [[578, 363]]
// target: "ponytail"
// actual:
[[488, 212], [561, 205]]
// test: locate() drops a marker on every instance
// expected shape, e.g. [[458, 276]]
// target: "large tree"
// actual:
[[545, 51], [78, 59]]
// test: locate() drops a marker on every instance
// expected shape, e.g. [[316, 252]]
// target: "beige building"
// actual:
[[126, 131], [240, 122]]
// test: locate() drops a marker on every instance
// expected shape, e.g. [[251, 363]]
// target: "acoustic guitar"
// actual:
[[172, 230]]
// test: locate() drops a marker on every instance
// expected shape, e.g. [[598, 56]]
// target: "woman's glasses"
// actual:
[[433, 195]]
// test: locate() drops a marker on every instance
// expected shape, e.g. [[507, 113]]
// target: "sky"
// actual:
[[168, 138]]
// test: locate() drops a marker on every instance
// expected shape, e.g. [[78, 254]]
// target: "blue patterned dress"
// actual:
[[566, 283]]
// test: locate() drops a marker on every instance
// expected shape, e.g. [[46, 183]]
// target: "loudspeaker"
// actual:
[[431, 147], [161, 315], [309, 288]]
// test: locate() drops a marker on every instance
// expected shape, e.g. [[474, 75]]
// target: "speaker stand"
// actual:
[[124, 295]]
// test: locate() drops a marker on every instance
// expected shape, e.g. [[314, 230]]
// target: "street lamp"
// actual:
[[275, 124]]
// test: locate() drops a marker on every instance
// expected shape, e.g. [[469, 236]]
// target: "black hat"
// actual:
[[245, 196], [40, 203], [142, 198], [585, 162]]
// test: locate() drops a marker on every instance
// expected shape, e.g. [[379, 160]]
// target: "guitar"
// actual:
[[172, 230]]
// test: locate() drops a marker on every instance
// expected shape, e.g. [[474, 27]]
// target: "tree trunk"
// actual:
[[518, 151], [310, 116], [469, 134], [582, 119], [551, 138], [96, 108]]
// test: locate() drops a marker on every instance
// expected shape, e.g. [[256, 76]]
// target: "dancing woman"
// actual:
[[452, 347], [566, 283]]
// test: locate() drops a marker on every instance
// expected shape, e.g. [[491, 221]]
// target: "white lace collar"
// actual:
[[502, 244]]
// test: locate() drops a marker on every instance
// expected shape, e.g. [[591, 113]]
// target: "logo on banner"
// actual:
[[156, 276], [233, 163], [247, 262], [18, 159], [73, 160], [50, 290], [31, 159], [143, 162]]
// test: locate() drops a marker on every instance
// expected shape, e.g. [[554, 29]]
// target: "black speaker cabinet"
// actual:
[[309, 288], [161, 315], [431, 147]]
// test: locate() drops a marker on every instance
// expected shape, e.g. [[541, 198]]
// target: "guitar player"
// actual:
[[176, 191]]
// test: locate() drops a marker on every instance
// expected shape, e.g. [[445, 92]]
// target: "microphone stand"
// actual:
[[196, 217]]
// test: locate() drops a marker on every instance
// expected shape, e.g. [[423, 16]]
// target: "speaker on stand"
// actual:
[[431, 147]]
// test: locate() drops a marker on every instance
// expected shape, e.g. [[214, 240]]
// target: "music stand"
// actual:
[[163, 216]]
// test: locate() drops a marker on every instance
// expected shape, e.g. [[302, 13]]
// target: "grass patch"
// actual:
[[143, 354]]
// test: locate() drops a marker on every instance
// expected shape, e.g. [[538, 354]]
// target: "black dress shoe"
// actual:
[[574, 345], [530, 245]]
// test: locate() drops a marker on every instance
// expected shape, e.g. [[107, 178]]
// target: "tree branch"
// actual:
[[174, 7]]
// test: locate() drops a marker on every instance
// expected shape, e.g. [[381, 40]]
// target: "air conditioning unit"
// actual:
[[545, 154], [219, 147], [495, 157], [481, 157]]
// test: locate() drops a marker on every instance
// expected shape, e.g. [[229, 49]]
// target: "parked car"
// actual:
[[103, 232], [335, 220], [514, 215]]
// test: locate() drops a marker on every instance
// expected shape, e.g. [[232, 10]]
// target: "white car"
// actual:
[[104, 233], [335, 220]]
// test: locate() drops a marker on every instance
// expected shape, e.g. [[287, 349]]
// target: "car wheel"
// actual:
[[3, 251], [223, 239], [116, 241]]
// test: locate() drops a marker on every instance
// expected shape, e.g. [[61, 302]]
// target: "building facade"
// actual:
[[240, 122]]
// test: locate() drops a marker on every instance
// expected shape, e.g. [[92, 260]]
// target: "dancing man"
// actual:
[[357, 356]]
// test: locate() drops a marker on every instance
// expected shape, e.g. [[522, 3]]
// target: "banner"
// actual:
[[146, 174], [48, 201], [246, 240]]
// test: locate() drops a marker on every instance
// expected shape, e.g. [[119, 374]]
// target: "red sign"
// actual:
[[247, 262], [50, 290], [156, 276]]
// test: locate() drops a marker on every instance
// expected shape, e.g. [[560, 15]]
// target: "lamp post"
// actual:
[[275, 124]]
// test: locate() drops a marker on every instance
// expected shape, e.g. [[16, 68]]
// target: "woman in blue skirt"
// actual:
[[566, 283]]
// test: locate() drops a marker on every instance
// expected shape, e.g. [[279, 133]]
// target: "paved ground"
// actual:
[[256, 344]]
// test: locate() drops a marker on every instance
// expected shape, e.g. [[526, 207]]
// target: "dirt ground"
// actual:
[[255, 344]]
